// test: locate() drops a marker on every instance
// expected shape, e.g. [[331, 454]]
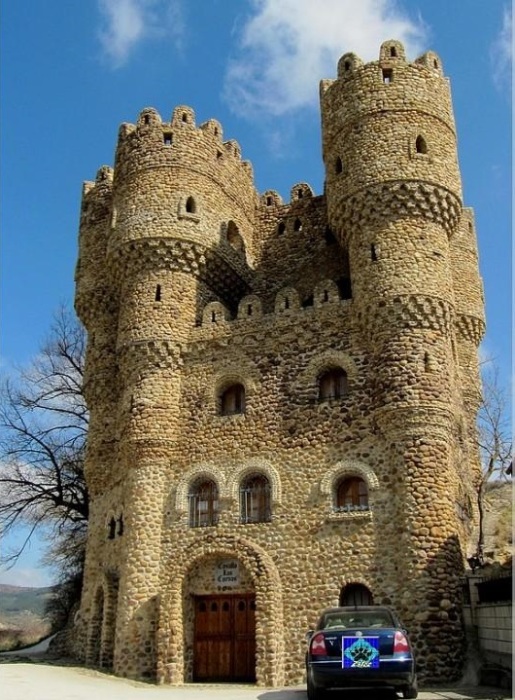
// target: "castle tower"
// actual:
[[154, 251], [394, 198]]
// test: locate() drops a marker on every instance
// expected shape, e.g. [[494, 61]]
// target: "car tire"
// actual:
[[410, 691]]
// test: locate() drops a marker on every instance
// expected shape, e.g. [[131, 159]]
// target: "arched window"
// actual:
[[356, 594], [297, 226], [191, 206], [332, 384], [421, 145], [232, 400], [351, 494], [281, 228], [233, 237], [203, 503], [338, 166], [255, 499]]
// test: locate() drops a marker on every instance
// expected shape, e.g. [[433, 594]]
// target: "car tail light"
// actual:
[[400, 643], [318, 645]]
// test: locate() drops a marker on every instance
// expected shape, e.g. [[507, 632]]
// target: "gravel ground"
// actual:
[[21, 679]]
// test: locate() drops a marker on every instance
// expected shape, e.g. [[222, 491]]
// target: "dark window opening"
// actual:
[[249, 309], [329, 236], [307, 302], [345, 288], [216, 131], [146, 119], [393, 52], [427, 362], [325, 296], [203, 503], [421, 145], [167, 138], [333, 384], [297, 226], [184, 117], [356, 594], [219, 155], [191, 206], [300, 194], [232, 400], [338, 166], [158, 293], [281, 228], [255, 499], [347, 65], [112, 529], [120, 526], [269, 201], [435, 63], [373, 253], [351, 494], [387, 76], [213, 316], [286, 303]]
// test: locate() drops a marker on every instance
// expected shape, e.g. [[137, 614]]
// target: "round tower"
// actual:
[[394, 199], [177, 234]]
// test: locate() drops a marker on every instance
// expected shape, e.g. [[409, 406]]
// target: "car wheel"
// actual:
[[410, 691]]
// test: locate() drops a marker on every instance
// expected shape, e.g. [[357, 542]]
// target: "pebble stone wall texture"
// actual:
[[189, 281]]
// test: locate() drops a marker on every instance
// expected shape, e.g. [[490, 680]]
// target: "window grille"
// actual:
[[255, 500], [203, 504]]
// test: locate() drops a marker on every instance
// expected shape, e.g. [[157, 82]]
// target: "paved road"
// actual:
[[20, 680]]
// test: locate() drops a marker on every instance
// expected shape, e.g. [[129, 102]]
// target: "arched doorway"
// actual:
[[356, 594], [95, 630]]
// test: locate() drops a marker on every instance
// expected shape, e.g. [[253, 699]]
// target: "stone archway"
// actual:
[[260, 583]]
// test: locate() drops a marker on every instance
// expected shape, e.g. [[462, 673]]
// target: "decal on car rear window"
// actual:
[[360, 653]]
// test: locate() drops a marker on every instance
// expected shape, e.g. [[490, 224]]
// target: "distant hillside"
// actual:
[[17, 600]]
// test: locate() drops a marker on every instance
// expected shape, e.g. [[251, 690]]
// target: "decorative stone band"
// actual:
[[470, 328], [227, 278], [155, 353], [398, 199], [92, 301], [399, 422], [408, 311]]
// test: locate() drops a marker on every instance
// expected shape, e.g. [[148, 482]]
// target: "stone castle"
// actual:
[[282, 394]]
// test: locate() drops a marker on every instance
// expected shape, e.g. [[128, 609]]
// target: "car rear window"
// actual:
[[358, 618]]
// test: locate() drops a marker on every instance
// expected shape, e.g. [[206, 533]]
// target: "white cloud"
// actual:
[[286, 46], [126, 23], [501, 53]]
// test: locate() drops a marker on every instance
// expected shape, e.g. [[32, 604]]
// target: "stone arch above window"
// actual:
[[255, 466], [326, 292], [250, 307], [325, 361], [215, 312], [345, 469], [287, 300], [206, 472]]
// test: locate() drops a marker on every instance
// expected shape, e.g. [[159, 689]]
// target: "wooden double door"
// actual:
[[224, 646]]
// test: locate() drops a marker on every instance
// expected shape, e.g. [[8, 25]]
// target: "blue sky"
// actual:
[[71, 72]]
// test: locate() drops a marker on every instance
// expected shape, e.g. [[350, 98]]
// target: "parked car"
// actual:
[[358, 647]]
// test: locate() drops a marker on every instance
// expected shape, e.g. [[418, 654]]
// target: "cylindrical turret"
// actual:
[[394, 199]]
